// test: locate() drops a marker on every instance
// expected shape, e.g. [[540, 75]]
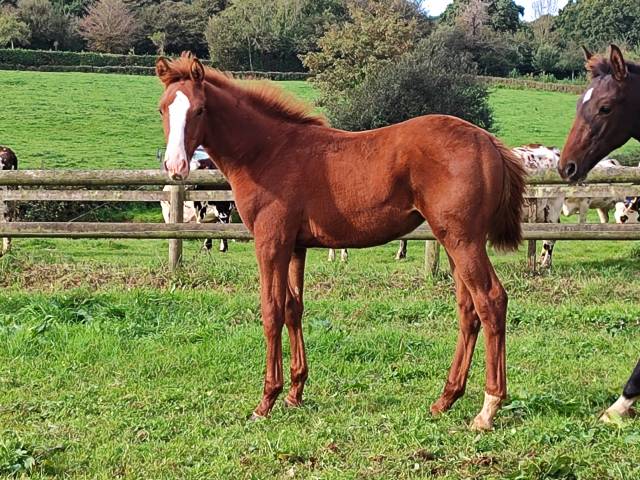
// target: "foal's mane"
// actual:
[[261, 95], [599, 66]]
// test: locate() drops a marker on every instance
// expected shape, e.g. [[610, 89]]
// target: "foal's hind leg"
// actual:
[[490, 300], [469, 325], [293, 320]]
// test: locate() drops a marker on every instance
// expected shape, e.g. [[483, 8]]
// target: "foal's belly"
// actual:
[[357, 229]]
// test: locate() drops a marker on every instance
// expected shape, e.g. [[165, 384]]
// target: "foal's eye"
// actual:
[[605, 109], [199, 111]]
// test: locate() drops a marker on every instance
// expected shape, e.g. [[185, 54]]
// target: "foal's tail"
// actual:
[[505, 232]]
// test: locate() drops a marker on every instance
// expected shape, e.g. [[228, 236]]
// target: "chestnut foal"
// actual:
[[608, 116], [299, 183]]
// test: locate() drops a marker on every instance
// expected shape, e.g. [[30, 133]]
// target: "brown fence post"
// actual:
[[176, 215], [432, 257]]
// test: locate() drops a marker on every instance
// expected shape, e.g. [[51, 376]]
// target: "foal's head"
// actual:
[[182, 108], [606, 117]]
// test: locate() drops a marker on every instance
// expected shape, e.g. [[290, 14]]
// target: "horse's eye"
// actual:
[[160, 111], [199, 111], [605, 109]]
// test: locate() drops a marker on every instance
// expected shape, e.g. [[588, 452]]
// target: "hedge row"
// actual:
[[53, 61], [39, 58], [522, 84]]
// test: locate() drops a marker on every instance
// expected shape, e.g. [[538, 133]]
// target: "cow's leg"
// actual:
[[223, 245], [344, 255], [631, 393], [603, 214], [469, 325], [546, 257], [402, 250], [332, 255], [293, 319], [273, 255], [6, 245], [207, 245]]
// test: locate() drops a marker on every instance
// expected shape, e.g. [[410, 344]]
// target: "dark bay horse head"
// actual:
[[182, 106], [608, 114]]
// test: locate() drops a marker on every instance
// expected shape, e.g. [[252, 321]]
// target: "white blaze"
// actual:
[[177, 121], [587, 96]]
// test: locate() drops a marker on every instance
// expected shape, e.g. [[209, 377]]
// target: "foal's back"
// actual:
[[357, 182]]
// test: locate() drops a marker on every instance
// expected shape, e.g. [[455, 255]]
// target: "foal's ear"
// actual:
[[618, 65], [162, 69], [197, 70], [587, 53]]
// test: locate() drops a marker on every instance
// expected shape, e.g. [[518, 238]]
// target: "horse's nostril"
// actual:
[[570, 169]]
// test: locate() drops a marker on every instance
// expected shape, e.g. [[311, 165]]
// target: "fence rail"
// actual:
[[613, 182]]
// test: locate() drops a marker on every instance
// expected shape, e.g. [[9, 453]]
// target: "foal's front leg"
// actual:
[[273, 260], [293, 319]]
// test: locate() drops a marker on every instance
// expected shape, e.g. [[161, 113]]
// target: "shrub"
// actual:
[[431, 79]]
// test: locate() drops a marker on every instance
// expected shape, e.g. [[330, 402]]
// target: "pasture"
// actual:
[[112, 368]]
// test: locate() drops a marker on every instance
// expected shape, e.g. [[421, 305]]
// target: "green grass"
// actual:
[[110, 367]]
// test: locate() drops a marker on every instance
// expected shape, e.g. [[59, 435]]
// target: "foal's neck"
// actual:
[[238, 135]]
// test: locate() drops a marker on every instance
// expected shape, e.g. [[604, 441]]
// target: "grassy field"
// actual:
[[112, 368], [81, 120]]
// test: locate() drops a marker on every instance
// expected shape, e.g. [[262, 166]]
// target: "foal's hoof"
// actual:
[[481, 424], [256, 418], [289, 403], [438, 408]]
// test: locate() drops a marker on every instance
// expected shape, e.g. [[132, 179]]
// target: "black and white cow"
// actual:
[[203, 212], [631, 393], [8, 161]]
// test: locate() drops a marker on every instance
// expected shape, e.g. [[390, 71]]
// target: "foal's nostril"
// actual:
[[570, 169]]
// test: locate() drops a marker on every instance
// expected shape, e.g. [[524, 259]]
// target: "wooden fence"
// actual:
[[616, 182]]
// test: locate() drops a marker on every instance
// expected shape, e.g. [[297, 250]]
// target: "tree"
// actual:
[[546, 58], [600, 22], [544, 7], [12, 30], [182, 24], [504, 15], [474, 17], [374, 35], [50, 26], [269, 34], [159, 40], [432, 78], [109, 27]]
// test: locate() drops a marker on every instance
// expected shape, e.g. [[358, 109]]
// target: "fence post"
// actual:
[[176, 215], [532, 250], [432, 257]]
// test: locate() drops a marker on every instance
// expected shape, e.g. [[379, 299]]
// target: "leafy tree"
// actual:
[[474, 17], [109, 27], [430, 79], [504, 15], [268, 34], [159, 40], [50, 27], [374, 36], [546, 58], [12, 30], [600, 22], [182, 24]]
